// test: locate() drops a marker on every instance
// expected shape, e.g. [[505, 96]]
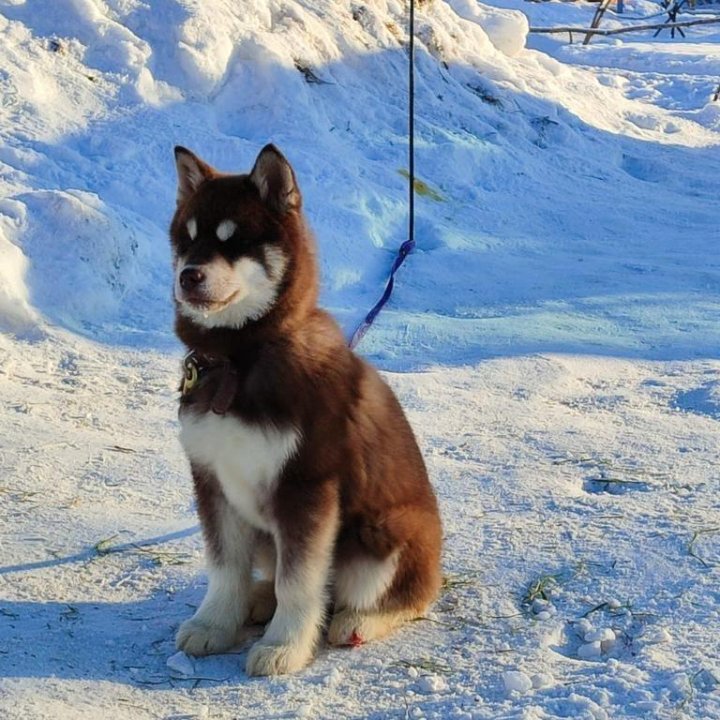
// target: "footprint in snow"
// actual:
[[704, 400], [644, 169], [613, 486]]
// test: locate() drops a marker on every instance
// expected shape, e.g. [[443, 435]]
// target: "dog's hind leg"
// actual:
[[350, 627], [364, 607], [374, 595]]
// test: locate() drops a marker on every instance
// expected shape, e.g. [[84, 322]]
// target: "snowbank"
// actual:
[[16, 312], [79, 258], [507, 29], [100, 92]]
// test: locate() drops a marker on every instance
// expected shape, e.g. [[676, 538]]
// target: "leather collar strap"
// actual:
[[196, 367]]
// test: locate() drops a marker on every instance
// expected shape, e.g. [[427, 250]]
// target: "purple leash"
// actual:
[[405, 249], [409, 245]]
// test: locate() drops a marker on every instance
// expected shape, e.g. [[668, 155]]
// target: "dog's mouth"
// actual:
[[208, 305]]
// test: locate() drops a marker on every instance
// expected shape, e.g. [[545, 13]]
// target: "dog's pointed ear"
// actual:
[[191, 172], [275, 181]]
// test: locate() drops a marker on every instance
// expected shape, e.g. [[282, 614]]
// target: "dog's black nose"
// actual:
[[191, 277]]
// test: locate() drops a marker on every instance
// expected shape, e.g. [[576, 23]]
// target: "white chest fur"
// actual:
[[247, 459]]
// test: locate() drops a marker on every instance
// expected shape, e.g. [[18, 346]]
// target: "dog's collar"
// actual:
[[196, 366]]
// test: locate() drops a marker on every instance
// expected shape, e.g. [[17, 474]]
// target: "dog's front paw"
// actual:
[[276, 659], [197, 637]]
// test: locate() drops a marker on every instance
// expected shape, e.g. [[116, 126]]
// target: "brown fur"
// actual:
[[357, 455]]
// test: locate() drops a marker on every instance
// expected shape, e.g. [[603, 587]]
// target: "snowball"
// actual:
[[647, 706], [516, 681], [657, 636], [544, 615], [181, 664], [305, 710], [599, 635], [643, 120], [542, 680], [333, 678], [590, 650], [432, 684]]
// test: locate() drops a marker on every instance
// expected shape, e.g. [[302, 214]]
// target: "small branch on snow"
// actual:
[[618, 31]]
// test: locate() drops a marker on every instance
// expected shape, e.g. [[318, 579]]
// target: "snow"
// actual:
[[602, 635], [516, 681], [590, 650], [553, 338], [432, 684]]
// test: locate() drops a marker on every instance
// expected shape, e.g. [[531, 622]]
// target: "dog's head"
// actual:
[[233, 238]]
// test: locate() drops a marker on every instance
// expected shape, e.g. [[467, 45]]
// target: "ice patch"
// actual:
[[180, 664]]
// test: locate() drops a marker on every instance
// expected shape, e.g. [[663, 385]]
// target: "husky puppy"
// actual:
[[306, 472]]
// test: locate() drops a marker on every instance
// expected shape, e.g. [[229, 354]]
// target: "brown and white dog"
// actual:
[[305, 468]]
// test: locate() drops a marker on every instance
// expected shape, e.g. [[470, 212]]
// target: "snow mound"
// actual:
[[81, 258], [97, 93], [507, 29], [709, 116], [16, 312]]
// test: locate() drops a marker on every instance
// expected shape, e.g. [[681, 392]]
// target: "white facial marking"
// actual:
[[276, 262], [192, 228], [225, 230], [249, 289]]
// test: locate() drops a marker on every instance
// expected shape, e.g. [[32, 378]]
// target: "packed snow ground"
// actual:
[[554, 340]]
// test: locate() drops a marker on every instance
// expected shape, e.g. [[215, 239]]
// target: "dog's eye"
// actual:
[[225, 230]]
